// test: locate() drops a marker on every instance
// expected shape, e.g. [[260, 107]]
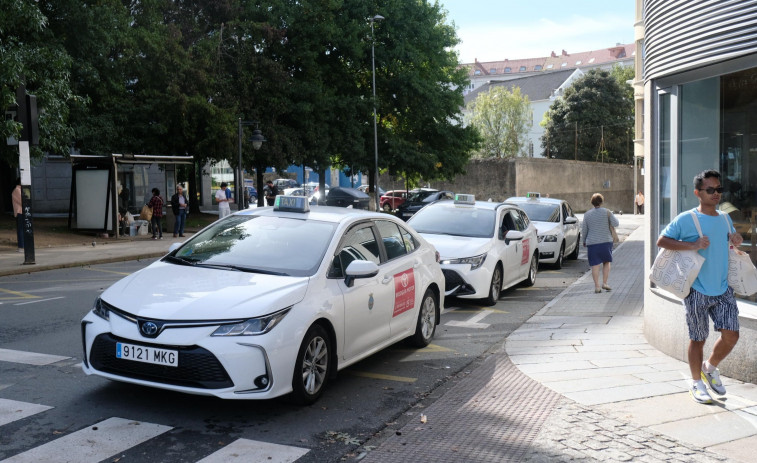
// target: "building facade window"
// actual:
[[522, 68]]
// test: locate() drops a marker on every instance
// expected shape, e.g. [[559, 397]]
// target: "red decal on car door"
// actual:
[[404, 292]]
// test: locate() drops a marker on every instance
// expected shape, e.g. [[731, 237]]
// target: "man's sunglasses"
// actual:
[[711, 190]]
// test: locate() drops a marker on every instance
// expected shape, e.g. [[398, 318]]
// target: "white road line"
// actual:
[[12, 410], [29, 358], [472, 322], [39, 300], [250, 450], [93, 443]]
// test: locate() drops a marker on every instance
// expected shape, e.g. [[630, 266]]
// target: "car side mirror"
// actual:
[[359, 269], [514, 235], [570, 220]]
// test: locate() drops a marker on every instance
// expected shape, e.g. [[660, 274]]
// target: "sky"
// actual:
[[492, 30]]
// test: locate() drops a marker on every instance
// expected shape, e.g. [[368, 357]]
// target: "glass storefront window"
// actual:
[[716, 123]]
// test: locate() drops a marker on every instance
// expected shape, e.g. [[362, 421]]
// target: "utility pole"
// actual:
[[575, 151], [27, 115]]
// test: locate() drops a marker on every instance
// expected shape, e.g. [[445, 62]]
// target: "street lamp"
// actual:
[[257, 140], [378, 17]]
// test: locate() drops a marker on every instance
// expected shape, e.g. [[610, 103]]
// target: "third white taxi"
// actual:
[[485, 247]]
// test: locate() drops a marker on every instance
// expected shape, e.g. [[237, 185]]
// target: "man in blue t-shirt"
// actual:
[[710, 294]]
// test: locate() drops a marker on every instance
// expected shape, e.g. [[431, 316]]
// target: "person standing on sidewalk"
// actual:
[[179, 206], [156, 203], [18, 213], [710, 294], [223, 202], [639, 202], [597, 237]]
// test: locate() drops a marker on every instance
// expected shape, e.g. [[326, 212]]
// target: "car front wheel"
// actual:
[[426, 325], [387, 207], [560, 257], [531, 278], [495, 287], [311, 370]]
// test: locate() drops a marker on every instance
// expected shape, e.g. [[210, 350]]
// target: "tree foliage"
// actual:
[[173, 77], [592, 121], [503, 118]]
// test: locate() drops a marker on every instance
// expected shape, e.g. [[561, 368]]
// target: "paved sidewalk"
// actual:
[[578, 382]]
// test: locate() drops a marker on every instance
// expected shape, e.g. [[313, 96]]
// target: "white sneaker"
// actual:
[[698, 392], [713, 380]]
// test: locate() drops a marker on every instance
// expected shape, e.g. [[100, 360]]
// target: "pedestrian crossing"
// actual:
[[108, 438]]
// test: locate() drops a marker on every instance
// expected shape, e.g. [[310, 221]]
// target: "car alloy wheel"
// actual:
[[426, 325], [312, 366], [495, 287]]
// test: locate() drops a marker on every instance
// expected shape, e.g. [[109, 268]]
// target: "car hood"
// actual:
[[454, 247], [174, 292], [546, 228]]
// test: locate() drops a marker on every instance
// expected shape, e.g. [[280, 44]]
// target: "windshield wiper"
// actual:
[[240, 268], [180, 260]]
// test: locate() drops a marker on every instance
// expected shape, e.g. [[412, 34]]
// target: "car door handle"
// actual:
[[387, 279]]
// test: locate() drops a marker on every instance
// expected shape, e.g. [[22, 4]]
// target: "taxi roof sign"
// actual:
[[291, 204], [465, 199], [533, 195]]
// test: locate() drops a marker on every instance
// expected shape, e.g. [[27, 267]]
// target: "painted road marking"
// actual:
[[39, 300], [29, 358], [12, 410], [425, 350], [365, 374], [472, 322], [250, 450], [17, 294], [93, 443], [106, 271]]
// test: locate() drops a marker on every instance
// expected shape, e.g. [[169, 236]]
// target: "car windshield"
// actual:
[[541, 212], [419, 196], [457, 221], [259, 244]]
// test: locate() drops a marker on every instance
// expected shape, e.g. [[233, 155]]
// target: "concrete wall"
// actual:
[[574, 181]]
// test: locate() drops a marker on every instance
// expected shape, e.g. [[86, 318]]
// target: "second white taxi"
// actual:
[[485, 246], [267, 302]]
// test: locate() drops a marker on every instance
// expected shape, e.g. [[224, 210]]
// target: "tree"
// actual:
[[503, 119], [592, 121], [29, 55]]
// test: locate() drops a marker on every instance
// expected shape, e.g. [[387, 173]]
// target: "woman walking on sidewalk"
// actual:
[[597, 237]]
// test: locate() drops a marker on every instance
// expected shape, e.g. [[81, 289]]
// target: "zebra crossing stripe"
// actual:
[[29, 358], [12, 410], [250, 450], [94, 443]]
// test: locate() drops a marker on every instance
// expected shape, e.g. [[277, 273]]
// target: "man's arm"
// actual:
[[675, 245]]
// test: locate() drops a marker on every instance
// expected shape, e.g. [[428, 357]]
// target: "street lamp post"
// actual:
[[257, 140], [378, 17]]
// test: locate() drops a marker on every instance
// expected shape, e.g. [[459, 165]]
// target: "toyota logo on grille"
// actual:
[[149, 329]]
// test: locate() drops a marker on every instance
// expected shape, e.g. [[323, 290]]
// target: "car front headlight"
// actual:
[[101, 309], [548, 238], [475, 261], [253, 326]]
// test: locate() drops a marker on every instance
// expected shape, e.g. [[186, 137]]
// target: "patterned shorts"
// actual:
[[721, 309]]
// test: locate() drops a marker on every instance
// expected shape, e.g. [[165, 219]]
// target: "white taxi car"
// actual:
[[267, 302], [559, 229], [485, 246]]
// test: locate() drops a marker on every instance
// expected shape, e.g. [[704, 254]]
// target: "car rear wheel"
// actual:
[[311, 369], [495, 287], [426, 325], [574, 255], [531, 278], [560, 257]]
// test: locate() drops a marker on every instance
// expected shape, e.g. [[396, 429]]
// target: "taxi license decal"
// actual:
[[526, 252], [404, 292]]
